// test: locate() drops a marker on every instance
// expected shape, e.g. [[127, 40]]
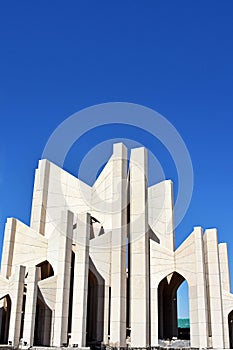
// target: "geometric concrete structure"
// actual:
[[98, 264]]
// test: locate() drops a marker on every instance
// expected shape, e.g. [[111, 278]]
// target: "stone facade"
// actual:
[[99, 264]]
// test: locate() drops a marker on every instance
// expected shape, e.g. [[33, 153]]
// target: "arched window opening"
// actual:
[[95, 309], [5, 312], [170, 327]]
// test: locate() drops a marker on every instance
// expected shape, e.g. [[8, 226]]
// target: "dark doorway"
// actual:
[[43, 321], [167, 307], [92, 301], [71, 294], [5, 312], [230, 326], [95, 310]]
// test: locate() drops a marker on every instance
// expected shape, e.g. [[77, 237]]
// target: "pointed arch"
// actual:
[[5, 312], [167, 305], [95, 307]]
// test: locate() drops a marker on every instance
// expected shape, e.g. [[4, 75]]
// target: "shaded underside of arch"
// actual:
[[167, 305]]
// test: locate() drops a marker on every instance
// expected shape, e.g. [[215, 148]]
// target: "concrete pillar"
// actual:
[[63, 280], [40, 196], [154, 316], [119, 236], [214, 288], [106, 314], [225, 282], [30, 306], [16, 294], [80, 288], [8, 247], [198, 297], [224, 267], [139, 250]]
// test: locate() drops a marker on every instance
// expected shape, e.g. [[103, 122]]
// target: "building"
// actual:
[[98, 264]]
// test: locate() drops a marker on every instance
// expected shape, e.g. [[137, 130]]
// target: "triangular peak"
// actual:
[[139, 164], [119, 152]]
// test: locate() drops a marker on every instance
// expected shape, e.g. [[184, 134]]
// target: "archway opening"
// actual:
[[5, 312], [43, 320], [167, 309], [95, 310], [230, 326], [183, 311]]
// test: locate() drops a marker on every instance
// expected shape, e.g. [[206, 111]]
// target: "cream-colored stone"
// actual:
[[61, 228]]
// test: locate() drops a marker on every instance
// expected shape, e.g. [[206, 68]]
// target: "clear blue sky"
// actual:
[[173, 56]]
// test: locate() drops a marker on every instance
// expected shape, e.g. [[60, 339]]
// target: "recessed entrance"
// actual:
[[5, 312], [43, 320], [95, 309], [167, 307]]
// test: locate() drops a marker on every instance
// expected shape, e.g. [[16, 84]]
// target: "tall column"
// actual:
[[154, 315], [40, 197], [30, 306], [80, 288], [16, 294], [224, 266], [8, 247], [139, 250], [119, 236], [63, 280], [214, 287], [198, 297], [225, 281], [106, 314]]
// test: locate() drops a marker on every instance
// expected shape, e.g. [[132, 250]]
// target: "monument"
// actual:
[[98, 265]]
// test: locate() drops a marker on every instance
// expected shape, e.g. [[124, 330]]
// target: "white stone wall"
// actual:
[[63, 209], [160, 212]]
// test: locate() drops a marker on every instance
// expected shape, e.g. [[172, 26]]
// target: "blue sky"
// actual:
[[172, 56]]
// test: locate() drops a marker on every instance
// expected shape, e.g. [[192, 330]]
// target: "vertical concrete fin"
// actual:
[[198, 298], [160, 213], [169, 209], [224, 266], [8, 247], [80, 287], [119, 236], [16, 294], [30, 306], [214, 287], [40, 196], [225, 283], [63, 281], [139, 250]]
